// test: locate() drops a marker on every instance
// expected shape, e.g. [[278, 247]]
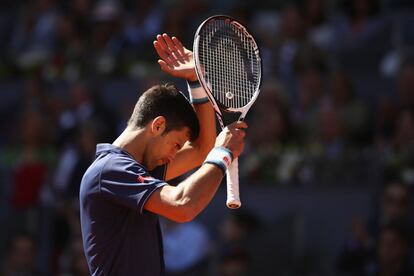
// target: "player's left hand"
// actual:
[[175, 60]]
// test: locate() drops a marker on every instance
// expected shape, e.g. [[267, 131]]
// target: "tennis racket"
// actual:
[[228, 66]]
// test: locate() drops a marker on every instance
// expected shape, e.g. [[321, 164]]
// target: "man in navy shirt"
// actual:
[[124, 190]]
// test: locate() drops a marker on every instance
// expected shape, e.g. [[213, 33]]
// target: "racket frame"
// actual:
[[233, 169]]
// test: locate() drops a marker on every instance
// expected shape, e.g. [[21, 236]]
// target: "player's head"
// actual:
[[168, 102], [170, 121]]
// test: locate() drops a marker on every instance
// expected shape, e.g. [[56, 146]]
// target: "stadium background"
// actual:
[[334, 124]]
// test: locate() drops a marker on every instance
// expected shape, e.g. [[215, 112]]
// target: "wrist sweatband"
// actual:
[[221, 157], [196, 92]]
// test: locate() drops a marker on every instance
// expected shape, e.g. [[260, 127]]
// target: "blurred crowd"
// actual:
[[336, 109]]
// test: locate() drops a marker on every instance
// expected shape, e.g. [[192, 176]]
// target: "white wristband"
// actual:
[[196, 93], [221, 157]]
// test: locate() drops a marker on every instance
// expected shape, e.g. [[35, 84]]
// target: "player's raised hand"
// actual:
[[175, 59]]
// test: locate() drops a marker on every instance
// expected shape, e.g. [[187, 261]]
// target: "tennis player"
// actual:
[[124, 190]]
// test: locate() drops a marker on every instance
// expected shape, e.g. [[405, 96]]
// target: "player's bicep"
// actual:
[[188, 158]]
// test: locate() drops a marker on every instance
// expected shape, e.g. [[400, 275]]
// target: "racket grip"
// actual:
[[233, 195]]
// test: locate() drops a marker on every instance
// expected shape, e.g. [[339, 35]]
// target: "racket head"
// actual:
[[228, 63]]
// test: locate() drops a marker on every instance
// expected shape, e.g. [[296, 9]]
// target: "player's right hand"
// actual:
[[232, 137]]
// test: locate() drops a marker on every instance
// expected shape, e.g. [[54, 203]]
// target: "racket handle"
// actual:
[[232, 175]]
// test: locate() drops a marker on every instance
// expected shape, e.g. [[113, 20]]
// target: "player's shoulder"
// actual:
[[123, 163]]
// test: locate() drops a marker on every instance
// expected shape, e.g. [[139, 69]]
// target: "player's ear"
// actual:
[[158, 125]]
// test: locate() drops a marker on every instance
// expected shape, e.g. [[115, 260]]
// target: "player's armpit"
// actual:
[[188, 158]]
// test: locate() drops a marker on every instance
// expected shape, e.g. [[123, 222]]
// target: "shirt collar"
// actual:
[[106, 147]]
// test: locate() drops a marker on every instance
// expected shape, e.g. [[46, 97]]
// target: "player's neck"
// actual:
[[133, 141]]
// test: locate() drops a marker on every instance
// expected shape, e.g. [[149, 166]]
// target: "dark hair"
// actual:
[[167, 101]]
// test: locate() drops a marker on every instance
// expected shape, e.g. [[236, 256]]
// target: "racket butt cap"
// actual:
[[233, 204]]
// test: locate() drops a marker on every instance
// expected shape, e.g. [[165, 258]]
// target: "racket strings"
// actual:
[[231, 63]]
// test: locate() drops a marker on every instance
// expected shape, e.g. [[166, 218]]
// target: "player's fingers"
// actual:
[[173, 48], [164, 66], [168, 58], [178, 45], [239, 124], [168, 55], [163, 45], [181, 49], [240, 132], [169, 42], [160, 51]]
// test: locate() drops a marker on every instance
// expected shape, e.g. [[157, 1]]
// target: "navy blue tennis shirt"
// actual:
[[119, 236]]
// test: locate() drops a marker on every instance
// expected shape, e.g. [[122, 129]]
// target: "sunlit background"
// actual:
[[328, 170]]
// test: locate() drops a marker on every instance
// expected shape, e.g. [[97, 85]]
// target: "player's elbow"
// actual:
[[187, 212], [183, 206], [183, 218]]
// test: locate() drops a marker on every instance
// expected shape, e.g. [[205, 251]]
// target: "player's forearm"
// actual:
[[207, 136], [208, 132], [197, 191]]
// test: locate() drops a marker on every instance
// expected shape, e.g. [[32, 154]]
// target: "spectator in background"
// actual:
[[63, 192], [33, 38], [183, 17], [311, 89], [398, 143], [233, 249], [106, 40], [353, 113], [68, 61], [83, 125], [357, 23], [275, 129], [27, 163], [237, 226], [392, 115], [392, 255], [187, 248], [385, 115], [399, 160], [20, 256], [272, 132], [234, 262], [403, 136], [361, 246], [73, 31], [329, 131], [81, 11], [291, 35], [319, 29], [85, 106], [142, 23], [73, 262], [74, 160], [405, 84], [32, 95]]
